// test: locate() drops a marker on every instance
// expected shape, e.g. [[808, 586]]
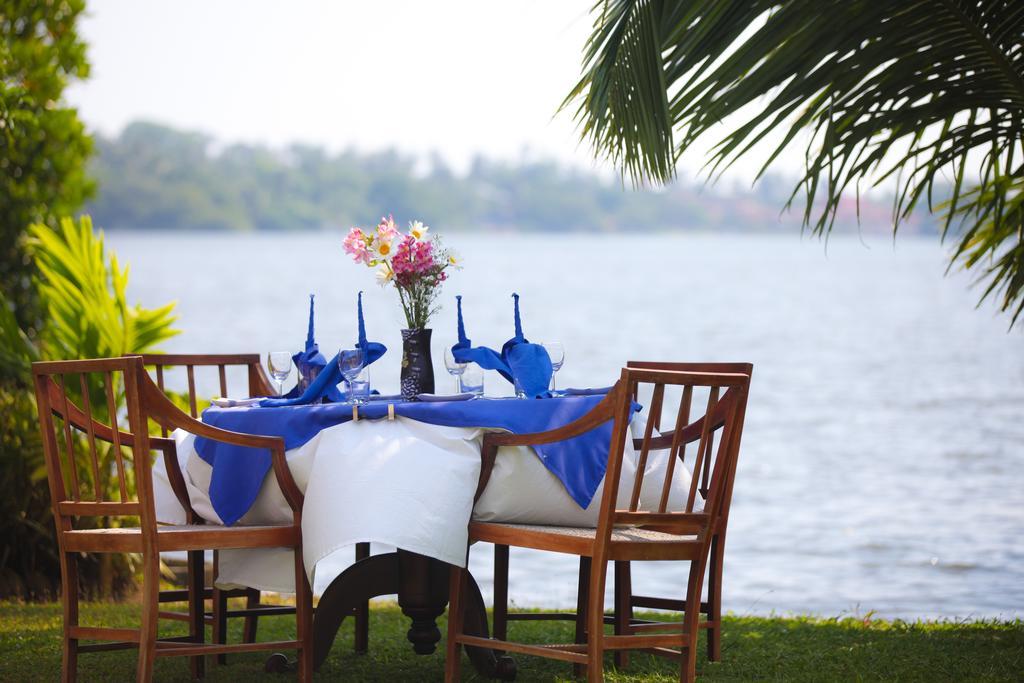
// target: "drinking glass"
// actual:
[[454, 368], [471, 381], [279, 364], [359, 388], [351, 362], [557, 354]]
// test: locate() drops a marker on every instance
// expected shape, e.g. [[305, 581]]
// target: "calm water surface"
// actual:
[[883, 456]]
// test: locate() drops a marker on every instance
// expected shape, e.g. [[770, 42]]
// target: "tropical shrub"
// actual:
[[83, 292]]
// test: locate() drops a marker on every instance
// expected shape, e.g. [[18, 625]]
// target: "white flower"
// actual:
[[382, 248], [384, 275], [418, 230]]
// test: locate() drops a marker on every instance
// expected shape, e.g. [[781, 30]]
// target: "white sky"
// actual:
[[455, 77]]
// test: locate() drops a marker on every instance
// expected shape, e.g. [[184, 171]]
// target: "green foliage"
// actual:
[[43, 145], [753, 648], [86, 300], [152, 178], [17, 351], [82, 290], [916, 93]]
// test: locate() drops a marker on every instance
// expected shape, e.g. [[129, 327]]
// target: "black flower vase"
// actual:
[[417, 366]]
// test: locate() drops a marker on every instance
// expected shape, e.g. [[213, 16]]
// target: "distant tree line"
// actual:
[[154, 177]]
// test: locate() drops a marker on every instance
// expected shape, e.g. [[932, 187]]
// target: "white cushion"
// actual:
[[522, 491]]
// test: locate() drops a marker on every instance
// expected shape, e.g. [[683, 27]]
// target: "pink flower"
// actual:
[[355, 244], [412, 260], [386, 229]]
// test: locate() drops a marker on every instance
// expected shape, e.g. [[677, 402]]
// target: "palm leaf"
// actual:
[[928, 94], [86, 297]]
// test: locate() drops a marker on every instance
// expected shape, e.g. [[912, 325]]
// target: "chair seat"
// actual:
[[182, 537], [626, 542]]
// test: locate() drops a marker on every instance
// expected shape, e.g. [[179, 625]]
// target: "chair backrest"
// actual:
[[167, 368], [654, 415], [95, 437], [719, 394]]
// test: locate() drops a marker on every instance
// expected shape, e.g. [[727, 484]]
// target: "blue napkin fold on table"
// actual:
[[520, 362], [465, 352], [238, 471], [326, 383], [309, 362], [530, 363]]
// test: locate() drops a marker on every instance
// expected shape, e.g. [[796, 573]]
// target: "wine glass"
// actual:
[[279, 363], [359, 388], [472, 381], [557, 354], [351, 363], [454, 368]]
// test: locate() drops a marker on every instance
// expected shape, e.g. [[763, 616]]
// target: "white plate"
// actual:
[[436, 398]]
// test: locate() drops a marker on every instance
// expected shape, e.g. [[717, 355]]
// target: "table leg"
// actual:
[[422, 587], [367, 578], [422, 595]]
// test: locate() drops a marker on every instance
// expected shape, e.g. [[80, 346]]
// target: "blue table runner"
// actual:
[[238, 471]]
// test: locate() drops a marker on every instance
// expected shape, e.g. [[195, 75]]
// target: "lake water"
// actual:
[[882, 467]]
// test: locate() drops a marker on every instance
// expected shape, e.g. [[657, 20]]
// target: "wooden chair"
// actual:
[[164, 367], [625, 600], [630, 534], [77, 489]]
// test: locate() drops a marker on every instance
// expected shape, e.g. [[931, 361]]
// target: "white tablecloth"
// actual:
[[401, 483]]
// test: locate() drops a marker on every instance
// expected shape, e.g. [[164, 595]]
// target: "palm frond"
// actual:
[[86, 296], [923, 93]]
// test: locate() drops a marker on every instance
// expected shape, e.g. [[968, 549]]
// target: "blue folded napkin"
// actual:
[[520, 362], [530, 363], [309, 361], [326, 383], [465, 352]]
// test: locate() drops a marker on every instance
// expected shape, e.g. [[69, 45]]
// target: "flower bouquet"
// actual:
[[416, 265]]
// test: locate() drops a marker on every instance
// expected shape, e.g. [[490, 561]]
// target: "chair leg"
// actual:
[[150, 615], [303, 619], [691, 622], [623, 608], [582, 595], [362, 635], [252, 601], [595, 621], [69, 658], [714, 613], [456, 618], [501, 592], [196, 609], [220, 610]]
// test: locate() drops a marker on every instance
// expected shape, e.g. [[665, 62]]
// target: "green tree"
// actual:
[[912, 91], [43, 144]]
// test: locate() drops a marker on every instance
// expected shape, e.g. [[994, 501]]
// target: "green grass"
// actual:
[[791, 649]]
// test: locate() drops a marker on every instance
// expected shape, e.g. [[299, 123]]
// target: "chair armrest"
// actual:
[[598, 415], [693, 431], [162, 410]]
